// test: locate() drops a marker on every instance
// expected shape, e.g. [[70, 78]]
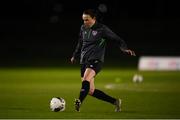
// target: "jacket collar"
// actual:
[[95, 25]]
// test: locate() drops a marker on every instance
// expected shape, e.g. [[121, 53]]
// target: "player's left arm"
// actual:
[[109, 34], [130, 52]]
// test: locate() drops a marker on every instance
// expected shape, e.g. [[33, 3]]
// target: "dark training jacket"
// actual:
[[92, 43]]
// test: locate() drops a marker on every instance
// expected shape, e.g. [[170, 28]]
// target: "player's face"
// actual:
[[88, 20]]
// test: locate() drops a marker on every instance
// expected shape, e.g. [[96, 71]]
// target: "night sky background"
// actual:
[[45, 32]]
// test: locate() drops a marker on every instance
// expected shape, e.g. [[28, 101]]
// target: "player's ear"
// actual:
[[94, 18]]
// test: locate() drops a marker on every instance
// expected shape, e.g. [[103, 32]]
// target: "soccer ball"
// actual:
[[137, 78], [57, 104]]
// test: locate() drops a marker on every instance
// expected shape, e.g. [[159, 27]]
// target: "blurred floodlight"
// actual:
[[102, 8]]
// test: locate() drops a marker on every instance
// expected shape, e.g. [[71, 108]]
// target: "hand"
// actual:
[[73, 60], [132, 53]]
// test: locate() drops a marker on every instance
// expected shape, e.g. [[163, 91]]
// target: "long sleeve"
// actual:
[[77, 50], [109, 34]]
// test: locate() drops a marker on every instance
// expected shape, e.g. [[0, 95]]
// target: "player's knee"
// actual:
[[86, 78], [91, 92]]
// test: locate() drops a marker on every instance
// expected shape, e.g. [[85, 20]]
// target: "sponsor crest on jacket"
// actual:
[[94, 33]]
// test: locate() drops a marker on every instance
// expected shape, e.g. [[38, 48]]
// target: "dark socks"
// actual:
[[84, 90], [102, 96]]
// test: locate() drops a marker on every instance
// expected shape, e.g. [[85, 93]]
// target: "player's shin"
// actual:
[[84, 90], [102, 96]]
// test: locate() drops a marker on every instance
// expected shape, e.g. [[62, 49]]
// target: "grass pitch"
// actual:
[[26, 93]]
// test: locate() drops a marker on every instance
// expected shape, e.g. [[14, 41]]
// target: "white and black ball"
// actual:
[[57, 104]]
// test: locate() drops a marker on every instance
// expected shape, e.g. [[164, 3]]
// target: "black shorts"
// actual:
[[94, 64]]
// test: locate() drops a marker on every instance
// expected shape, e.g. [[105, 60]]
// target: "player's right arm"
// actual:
[[77, 50]]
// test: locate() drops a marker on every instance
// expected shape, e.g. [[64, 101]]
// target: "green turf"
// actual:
[[26, 93]]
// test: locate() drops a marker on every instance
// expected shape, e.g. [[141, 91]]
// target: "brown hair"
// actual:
[[90, 12]]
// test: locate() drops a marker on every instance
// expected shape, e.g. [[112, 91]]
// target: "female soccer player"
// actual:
[[91, 47]]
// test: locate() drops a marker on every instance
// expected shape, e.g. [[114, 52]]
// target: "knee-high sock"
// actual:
[[102, 96], [84, 90]]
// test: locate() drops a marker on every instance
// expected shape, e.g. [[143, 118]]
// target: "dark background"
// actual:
[[45, 32]]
